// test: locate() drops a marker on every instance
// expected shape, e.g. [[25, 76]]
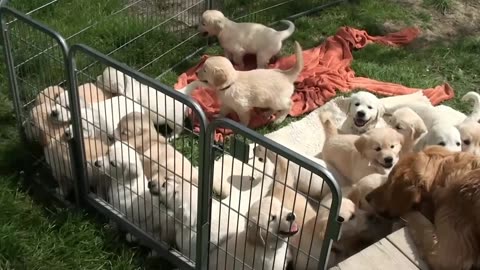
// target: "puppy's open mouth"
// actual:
[[293, 230], [360, 122], [385, 165]]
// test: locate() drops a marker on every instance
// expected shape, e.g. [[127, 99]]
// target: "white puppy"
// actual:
[[262, 245], [475, 97], [162, 108], [445, 135], [239, 39], [364, 111], [128, 192], [101, 119]]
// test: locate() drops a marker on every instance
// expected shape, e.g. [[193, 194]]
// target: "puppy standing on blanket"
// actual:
[[241, 91], [355, 157], [239, 39], [364, 111]]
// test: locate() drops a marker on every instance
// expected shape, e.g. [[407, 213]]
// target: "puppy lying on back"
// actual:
[[470, 134], [375, 151], [239, 39], [241, 91], [137, 129], [364, 111]]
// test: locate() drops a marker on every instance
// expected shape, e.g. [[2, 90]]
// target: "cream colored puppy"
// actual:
[[408, 123], [375, 151], [239, 39], [40, 127], [364, 111], [263, 243], [470, 134], [444, 135], [49, 94], [475, 97], [241, 91], [137, 129]]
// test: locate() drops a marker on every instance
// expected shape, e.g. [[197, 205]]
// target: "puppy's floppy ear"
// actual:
[[380, 110], [254, 234], [219, 77], [361, 144], [343, 104]]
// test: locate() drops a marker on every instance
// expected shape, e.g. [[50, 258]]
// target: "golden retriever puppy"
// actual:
[[411, 181], [241, 91], [239, 39], [354, 156], [453, 240], [49, 94], [470, 134], [408, 123], [40, 127], [57, 156], [263, 243], [137, 129]]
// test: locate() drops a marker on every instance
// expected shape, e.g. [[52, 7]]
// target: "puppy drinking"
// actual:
[[241, 91], [239, 39]]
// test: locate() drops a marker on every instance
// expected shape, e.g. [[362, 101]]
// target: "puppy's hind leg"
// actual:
[[283, 111]]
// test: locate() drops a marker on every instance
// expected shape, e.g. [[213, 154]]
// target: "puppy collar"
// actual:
[[225, 88]]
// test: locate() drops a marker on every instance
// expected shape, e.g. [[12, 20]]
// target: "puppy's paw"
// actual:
[[347, 209]]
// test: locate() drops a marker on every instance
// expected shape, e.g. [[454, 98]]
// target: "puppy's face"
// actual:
[[381, 146], [217, 71], [211, 23], [121, 162], [408, 123], [132, 125], [365, 109], [470, 134], [446, 136], [165, 188], [268, 214]]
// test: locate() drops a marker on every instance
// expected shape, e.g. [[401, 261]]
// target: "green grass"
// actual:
[[33, 236]]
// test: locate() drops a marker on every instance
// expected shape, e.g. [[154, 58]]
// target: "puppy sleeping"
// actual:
[[375, 151], [239, 39], [263, 243], [364, 111], [241, 91]]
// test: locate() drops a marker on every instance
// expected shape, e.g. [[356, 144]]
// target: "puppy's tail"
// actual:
[[293, 72], [288, 32], [328, 126], [475, 97]]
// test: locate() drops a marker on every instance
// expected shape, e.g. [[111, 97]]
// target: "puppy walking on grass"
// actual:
[[241, 91], [239, 39]]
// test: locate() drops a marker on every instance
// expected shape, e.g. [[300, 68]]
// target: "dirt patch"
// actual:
[[461, 19]]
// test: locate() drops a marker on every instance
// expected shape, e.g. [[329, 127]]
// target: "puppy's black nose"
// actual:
[[388, 160], [54, 113], [151, 184], [291, 217], [360, 114], [97, 164], [68, 133], [110, 138]]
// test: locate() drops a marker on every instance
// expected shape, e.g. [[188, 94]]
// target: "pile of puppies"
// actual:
[[125, 156]]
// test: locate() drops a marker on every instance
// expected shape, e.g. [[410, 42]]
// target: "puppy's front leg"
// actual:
[[238, 59]]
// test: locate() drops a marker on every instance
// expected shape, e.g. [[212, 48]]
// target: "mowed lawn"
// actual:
[[35, 234]]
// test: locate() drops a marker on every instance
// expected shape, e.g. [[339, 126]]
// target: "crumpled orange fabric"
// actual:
[[327, 69]]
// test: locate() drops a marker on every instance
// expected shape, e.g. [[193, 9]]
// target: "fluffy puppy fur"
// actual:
[[475, 98], [298, 177], [161, 108], [470, 134], [40, 127], [412, 180], [128, 192], [447, 136], [181, 199], [452, 241], [137, 129], [88, 94], [262, 245], [364, 111], [239, 39], [241, 91], [49, 94], [354, 156], [100, 119], [409, 124], [57, 156]]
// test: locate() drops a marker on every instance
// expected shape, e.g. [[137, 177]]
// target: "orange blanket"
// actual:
[[327, 69]]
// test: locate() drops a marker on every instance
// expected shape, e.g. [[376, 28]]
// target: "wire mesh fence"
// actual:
[[124, 143]]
